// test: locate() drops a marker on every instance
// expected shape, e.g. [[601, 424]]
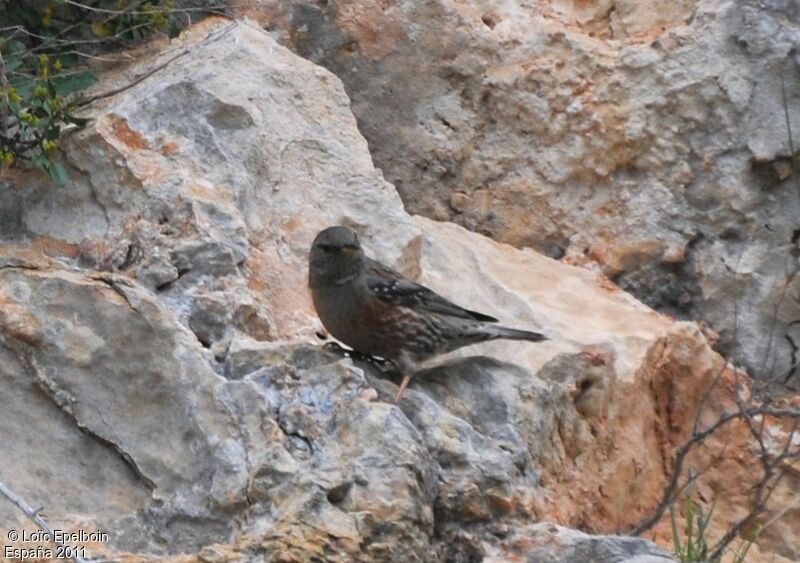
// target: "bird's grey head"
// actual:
[[336, 257]]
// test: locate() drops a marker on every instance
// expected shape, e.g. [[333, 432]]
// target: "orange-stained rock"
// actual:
[[164, 378], [647, 138]]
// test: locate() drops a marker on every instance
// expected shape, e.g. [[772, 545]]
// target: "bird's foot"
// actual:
[[402, 389]]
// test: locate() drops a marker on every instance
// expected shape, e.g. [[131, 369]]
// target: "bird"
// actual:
[[379, 312]]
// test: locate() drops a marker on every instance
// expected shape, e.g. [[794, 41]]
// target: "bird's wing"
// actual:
[[394, 288]]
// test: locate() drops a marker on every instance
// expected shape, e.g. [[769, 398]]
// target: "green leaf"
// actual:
[[58, 173], [53, 133], [689, 507], [174, 29], [741, 553], [79, 121], [23, 85], [66, 58], [676, 538], [22, 15], [13, 46], [40, 160], [12, 64], [35, 104], [53, 169], [68, 84]]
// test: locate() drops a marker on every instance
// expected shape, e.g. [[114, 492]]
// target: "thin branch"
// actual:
[[50, 42], [773, 326], [773, 472], [155, 10], [790, 438], [151, 72], [697, 438], [788, 371], [137, 80], [762, 495], [102, 58], [17, 501], [701, 405]]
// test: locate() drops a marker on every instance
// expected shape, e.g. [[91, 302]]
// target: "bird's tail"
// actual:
[[515, 334]]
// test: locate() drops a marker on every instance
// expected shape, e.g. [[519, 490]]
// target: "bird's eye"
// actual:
[[327, 248]]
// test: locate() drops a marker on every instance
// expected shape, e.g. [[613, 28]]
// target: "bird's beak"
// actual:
[[348, 249]]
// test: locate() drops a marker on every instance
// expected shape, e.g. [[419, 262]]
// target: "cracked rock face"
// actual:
[[293, 443], [646, 139], [163, 379], [110, 401]]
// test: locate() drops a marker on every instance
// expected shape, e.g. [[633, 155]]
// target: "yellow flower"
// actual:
[[48, 146], [13, 96], [47, 15], [101, 29]]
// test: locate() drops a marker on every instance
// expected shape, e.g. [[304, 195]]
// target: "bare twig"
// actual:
[[773, 466], [770, 350], [142, 12], [697, 438], [763, 491], [701, 405], [55, 41], [17, 501], [52, 42], [151, 72], [131, 84]]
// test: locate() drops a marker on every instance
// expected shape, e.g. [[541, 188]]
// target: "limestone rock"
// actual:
[[543, 543], [166, 382], [646, 138]]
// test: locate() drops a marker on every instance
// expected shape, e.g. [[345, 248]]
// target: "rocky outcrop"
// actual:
[[165, 380], [647, 139]]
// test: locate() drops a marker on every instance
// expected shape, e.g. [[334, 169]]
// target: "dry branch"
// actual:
[[34, 515]]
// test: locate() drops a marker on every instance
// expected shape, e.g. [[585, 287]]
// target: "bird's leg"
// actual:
[[403, 385], [408, 368]]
